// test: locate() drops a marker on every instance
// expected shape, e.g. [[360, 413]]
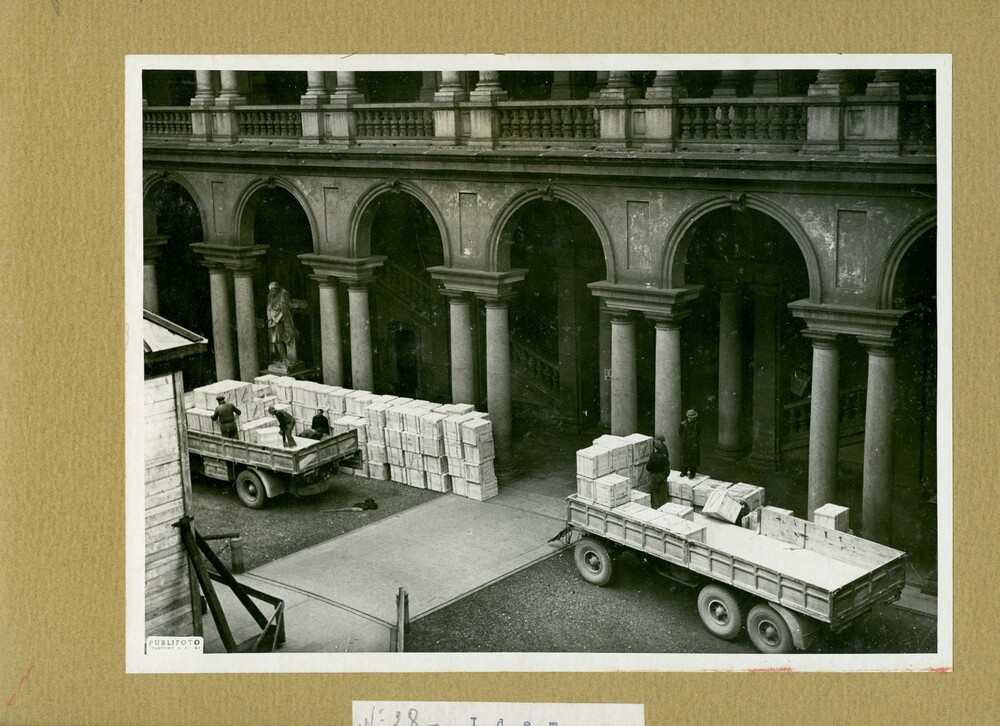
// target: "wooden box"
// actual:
[[438, 482], [640, 498], [435, 464], [411, 442], [611, 490], [482, 492], [379, 472], [678, 510], [431, 424], [702, 489], [394, 438], [642, 447], [585, 487], [749, 494], [459, 485], [376, 415], [721, 506], [832, 516], [479, 473], [682, 487], [778, 510], [455, 466], [477, 430], [415, 478], [432, 445], [453, 449], [478, 454], [594, 462], [620, 446], [397, 473], [376, 454], [413, 460], [396, 457]]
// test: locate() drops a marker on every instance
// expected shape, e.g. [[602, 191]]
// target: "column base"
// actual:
[[729, 453], [506, 473], [287, 368], [771, 462]]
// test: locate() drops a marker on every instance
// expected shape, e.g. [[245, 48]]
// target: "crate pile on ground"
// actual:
[[611, 471], [441, 447]]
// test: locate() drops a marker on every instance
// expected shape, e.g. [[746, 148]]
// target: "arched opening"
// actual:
[[554, 319], [278, 221], [410, 316], [745, 365], [181, 278], [915, 424]]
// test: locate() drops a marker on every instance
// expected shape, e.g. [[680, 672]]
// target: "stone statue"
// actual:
[[280, 325]]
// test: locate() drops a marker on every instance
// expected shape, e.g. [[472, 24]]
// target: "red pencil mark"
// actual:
[[24, 679], [782, 669], [943, 669]]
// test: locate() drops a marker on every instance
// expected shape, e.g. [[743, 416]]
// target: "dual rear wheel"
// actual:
[[722, 613]]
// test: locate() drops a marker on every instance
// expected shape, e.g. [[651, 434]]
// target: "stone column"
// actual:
[[602, 81], [451, 88], [624, 390], [246, 323], [668, 411], [204, 95], [428, 86], [876, 507], [562, 89], [498, 381], [222, 325], [619, 87], [730, 440], [152, 247], [463, 357], [316, 85], [347, 89], [604, 341], [226, 125], [312, 112], [824, 419], [230, 94], [329, 321], [766, 443], [488, 88], [666, 86], [727, 84], [362, 377], [765, 83]]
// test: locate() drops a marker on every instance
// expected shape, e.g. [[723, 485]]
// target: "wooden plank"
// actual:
[[167, 514], [847, 547], [165, 494], [167, 484], [783, 527], [159, 471], [185, 459], [156, 389]]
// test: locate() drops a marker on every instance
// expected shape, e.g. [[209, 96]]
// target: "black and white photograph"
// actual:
[[538, 363]]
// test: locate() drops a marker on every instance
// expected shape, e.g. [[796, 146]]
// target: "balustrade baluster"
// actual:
[[761, 118], [736, 129], [724, 122], [546, 123], [698, 125], [685, 123], [393, 123], [791, 124], [774, 128], [711, 122]]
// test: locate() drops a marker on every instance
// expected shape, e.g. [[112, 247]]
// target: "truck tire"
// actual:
[[250, 489], [593, 561], [720, 611], [768, 631]]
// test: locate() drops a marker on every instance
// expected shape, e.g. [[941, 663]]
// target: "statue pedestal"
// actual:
[[286, 368]]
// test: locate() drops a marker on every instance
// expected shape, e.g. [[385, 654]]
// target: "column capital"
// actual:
[[324, 280], [496, 300], [876, 324], [456, 296], [480, 283], [345, 269], [821, 339], [233, 258], [645, 299], [152, 247], [668, 321], [885, 347]]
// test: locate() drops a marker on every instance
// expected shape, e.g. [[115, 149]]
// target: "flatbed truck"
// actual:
[[786, 579]]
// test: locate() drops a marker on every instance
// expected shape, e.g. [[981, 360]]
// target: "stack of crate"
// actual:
[[703, 489], [681, 488], [623, 456], [469, 452]]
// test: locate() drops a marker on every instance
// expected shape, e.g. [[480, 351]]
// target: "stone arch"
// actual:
[[897, 251], [360, 222], [498, 240], [246, 208], [675, 249], [150, 181]]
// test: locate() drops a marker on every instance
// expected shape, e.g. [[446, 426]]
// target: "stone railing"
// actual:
[[417, 292], [568, 120], [162, 121], [535, 367], [269, 121], [795, 417], [392, 121], [744, 120], [812, 124]]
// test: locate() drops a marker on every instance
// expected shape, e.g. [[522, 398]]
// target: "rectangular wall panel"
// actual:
[[852, 249], [640, 256]]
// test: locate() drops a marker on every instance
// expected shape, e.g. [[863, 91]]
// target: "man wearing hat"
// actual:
[[690, 444], [320, 423], [658, 467], [286, 422], [225, 414]]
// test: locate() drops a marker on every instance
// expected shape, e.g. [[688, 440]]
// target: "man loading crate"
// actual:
[[286, 422], [225, 414]]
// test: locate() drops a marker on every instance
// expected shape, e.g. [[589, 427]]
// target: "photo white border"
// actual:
[[136, 661]]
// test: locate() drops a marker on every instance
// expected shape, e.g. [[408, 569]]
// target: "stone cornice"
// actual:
[[231, 257], [655, 303], [351, 270], [871, 325], [484, 285]]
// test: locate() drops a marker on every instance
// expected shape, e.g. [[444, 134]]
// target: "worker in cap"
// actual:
[[286, 422], [690, 432], [658, 467], [320, 423], [225, 414]]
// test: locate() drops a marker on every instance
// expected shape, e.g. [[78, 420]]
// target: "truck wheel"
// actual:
[[593, 561], [250, 489], [768, 631], [720, 611]]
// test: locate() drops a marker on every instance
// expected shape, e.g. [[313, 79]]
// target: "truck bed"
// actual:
[[828, 575], [302, 459]]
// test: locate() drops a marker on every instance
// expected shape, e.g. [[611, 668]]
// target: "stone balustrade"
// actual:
[[872, 123]]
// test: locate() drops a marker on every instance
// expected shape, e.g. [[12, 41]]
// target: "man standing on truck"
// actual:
[[320, 423], [286, 422], [690, 444], [658, 467], [225, 414]]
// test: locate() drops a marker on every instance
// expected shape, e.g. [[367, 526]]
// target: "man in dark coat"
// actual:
[[690, 444], [225, 414], [320, 423], [658, 467], [286, 422]]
